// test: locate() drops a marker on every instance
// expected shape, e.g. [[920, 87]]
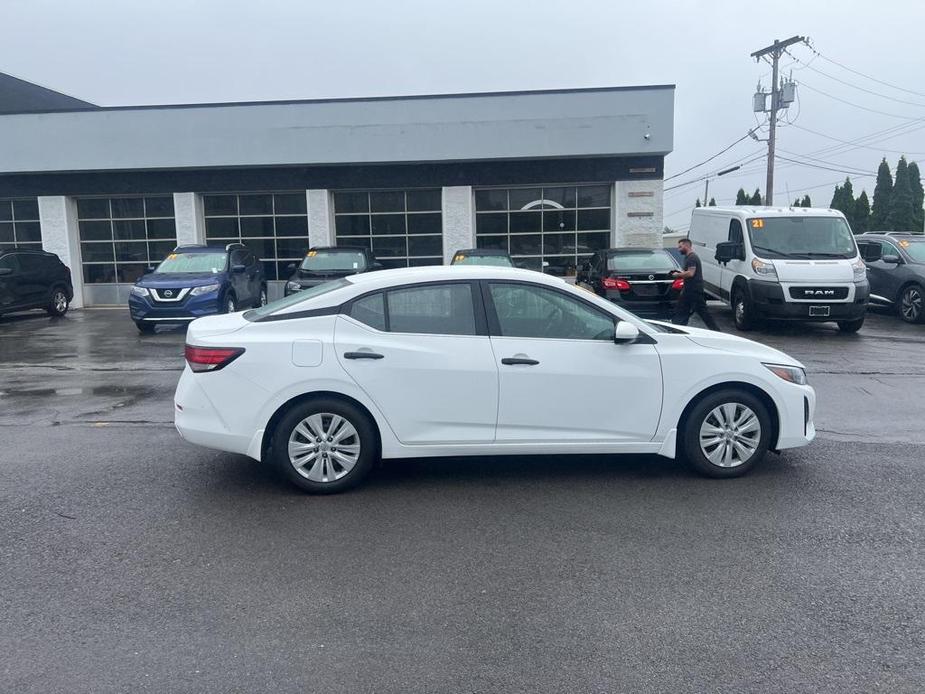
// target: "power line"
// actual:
[[826, 168], [822, 161], [698, 180], [868, 77], [863, 108], [856, 145], [705, 161]]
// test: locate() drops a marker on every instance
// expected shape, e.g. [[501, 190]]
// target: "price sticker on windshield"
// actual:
[[311, 254], [904, 243], [172, 256], [757, 224], [458, 258]]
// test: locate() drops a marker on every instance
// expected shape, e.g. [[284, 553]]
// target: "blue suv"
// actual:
[[196, 281]]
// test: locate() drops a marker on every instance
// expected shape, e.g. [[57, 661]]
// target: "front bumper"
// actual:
[[144, 309], [769, 300], [795, 413]]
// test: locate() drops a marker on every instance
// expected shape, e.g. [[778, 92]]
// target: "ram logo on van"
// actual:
[[818, 292]]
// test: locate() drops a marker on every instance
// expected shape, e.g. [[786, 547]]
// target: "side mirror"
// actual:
[[729, 250], [6, 271], [891, 259], [377, 266], [238, 268], [625, 332]]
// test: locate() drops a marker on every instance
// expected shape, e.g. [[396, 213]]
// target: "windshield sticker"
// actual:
[[356, 265], [311, 254], [757, 224], [904, 243]]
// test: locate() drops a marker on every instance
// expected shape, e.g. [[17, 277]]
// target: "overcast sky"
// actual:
[[123, 52]]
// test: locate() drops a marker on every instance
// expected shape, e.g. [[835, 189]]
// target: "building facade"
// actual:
[[549, 176]]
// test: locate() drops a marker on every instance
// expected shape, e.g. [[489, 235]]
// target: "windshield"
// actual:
[[298, 297], [801, 237], [915, 249], [629, 261], [494, 260], [193, 262], [333, 261]]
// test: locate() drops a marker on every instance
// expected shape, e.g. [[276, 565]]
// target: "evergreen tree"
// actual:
[[697, 204], [756, 198], [796, 203], [806, 201], [902, 211], [880, 209], [843, 201], [861, 221], [742, 197], [712, 202], [918, 197]]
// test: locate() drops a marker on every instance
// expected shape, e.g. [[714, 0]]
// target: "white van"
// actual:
[[783, 263]]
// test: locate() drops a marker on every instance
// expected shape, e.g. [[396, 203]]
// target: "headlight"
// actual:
[[139, 291], [762, 268], [860, 270], [293, 286], [205, 289], [794, 374]]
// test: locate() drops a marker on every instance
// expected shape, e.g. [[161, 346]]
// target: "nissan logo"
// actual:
[[168, 293], [651, 277]]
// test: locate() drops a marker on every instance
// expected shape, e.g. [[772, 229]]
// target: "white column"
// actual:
[[58, 219], [458, 220], [191, 225], [320, 217], [638, 213]]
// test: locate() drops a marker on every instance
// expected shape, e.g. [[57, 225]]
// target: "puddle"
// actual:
[[105, 391]]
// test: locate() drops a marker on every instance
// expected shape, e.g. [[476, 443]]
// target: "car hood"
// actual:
[[209, 326], [816, 271], [734, 344], [178, 279]]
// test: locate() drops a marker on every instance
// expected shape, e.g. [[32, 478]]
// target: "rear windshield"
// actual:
[[297, 298], [915, 249], [476, 259], [628, 261], [193, 262], [333, 261]]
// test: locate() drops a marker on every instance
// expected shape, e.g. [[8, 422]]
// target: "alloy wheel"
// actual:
[[263, 297], [59, 300], [324, 447], [730, 434], [911, 305], [229, 305]]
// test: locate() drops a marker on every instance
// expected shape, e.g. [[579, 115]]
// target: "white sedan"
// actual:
[[472, 360]]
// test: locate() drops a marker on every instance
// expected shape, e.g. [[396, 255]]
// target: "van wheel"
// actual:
[[850, 326], [726, 434], [59, 303], [742, 311]]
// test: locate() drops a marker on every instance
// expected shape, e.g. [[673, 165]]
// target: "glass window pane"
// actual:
[[354, 242], [525, 198], [558, 220], [388, 224], [290, 203], [433, 310], [535, 264], [161, 206], [351, 225], [594, 196], [494, 242], [130, 251], [564, 196], [556, 244], [522, 222], [95, 231], [537, 312], [28, 232], [6, 210], [370, 310], [128, 207], [158, 250], [385, 246], [96, 252], [491, 223], [256, 204], [291, 248], [127, 229], [594, 242], [26, 210], [264, 249], [162, 229], [222, 228], [526, 245], [425, 245], [491, 199], [593, 220], [387, 201], [391, 263], [256, 226], [424, 200], [421, 262], [6, 232], [130, 273], [270, 269], [425, 223], [351, 202], [292, 226], [99, 274], [92, 208], [220, 204]]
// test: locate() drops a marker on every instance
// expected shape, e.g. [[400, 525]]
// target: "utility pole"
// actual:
[[773, 53]]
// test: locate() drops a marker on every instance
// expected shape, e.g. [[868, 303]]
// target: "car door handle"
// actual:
[[363, 355], [510, 361]]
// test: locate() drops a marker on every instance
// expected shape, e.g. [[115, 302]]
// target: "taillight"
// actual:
[[621, 285], [678, 283], [211, 358]]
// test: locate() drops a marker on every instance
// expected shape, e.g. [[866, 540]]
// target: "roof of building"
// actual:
[[20, 96]]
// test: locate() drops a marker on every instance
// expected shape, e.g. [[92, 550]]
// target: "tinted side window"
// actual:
[[370, 310], [735, 231], [31, 263], [9, 261], [888, 248], [444, 309], [532, 311]]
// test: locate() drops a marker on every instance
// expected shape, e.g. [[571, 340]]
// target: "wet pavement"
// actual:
[[132, 561]]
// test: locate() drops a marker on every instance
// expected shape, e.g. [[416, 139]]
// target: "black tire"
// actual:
[[742, 310], [229, 303], [261, 299], [689, 436], [851, 326], [59, 303], [366, 437], [145, 328], [911, 304]]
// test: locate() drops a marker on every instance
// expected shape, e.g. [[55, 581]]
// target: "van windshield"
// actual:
[[801, 237]]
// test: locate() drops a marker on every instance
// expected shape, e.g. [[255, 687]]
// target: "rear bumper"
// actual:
[[656, 306], [197, 420], [769, 300]]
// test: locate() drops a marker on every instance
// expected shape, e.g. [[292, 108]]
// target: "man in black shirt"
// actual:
[[692, 299]]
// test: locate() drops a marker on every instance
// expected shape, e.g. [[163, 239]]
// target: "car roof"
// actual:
[[348, 249], [205, 249], [765, 211], [35, 251], [480, 251]]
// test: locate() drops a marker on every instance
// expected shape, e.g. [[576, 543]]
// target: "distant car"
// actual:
[[638, 279], [323, 264], [482, 256], [197, 281], [896, 272], [32, 279]]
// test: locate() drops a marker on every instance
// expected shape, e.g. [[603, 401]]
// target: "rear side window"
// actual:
[[31, 263], [443, 309], [370, 310], [9, 261]]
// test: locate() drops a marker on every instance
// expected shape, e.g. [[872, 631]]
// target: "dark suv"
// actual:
[[896, 271], [638, 279], [322, 264], [196, 281], [34, 279]]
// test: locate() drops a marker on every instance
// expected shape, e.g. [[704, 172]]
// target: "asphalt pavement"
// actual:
[[133, 561]]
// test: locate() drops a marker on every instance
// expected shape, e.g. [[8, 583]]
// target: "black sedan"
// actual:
[[638, 279]]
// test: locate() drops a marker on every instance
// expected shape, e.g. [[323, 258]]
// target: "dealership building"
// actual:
[[549, 176]]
